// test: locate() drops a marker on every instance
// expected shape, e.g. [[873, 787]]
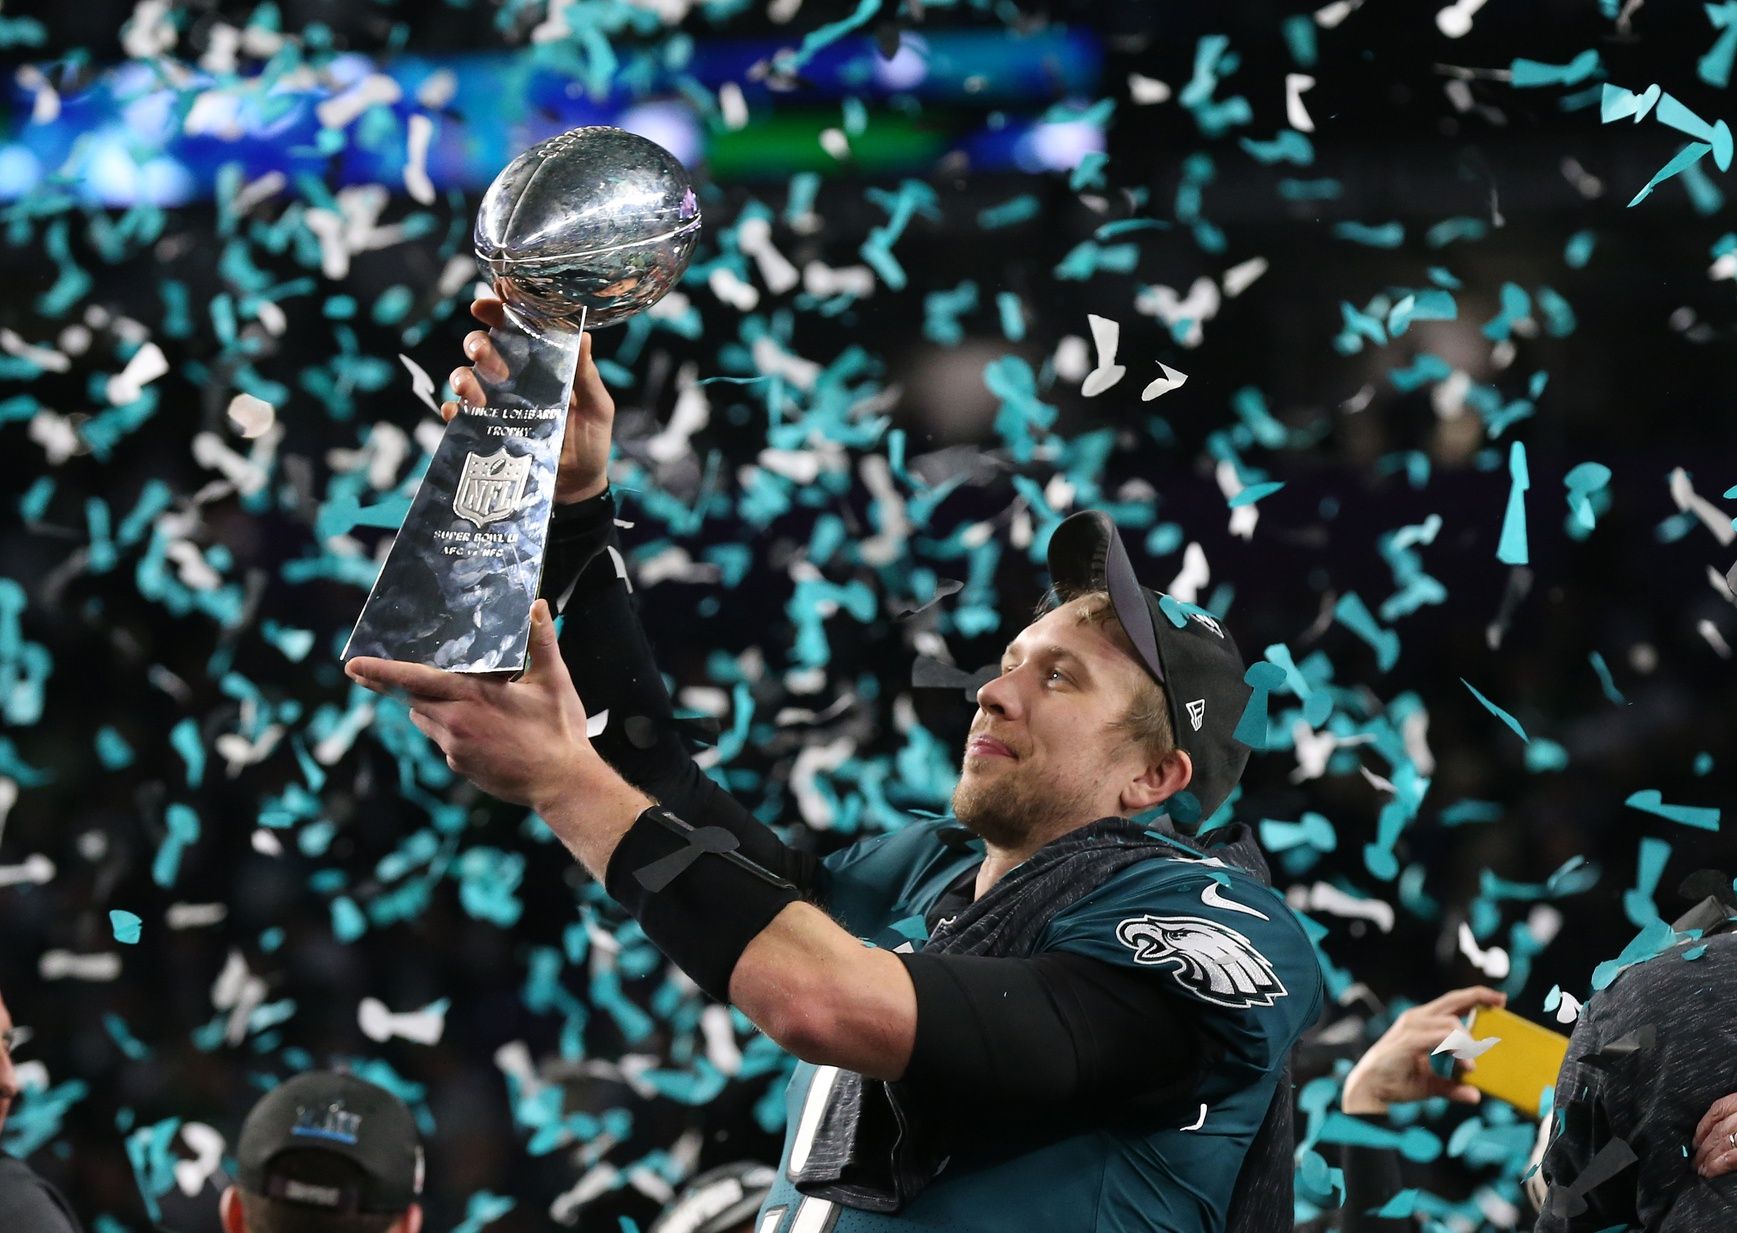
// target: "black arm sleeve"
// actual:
[[1049, 1031], [613, 668], [1371, 1180]]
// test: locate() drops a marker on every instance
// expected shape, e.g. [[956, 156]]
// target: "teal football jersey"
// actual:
[[1212, 933]]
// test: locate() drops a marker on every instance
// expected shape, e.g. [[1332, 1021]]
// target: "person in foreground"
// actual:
[[326, 1152], [27, 1203], [1633, 1142], [1065, 1019]]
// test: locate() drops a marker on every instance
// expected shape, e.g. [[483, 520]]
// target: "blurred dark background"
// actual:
[[168, 643]]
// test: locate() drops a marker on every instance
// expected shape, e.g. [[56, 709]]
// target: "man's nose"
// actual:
[[999, 695]]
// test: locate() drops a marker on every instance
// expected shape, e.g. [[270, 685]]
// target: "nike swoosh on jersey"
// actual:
[[1212, 898]]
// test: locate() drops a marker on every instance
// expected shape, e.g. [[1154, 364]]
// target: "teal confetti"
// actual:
[[1383, 235], [1650, 941], [1017, 210], [1497, 711], [1639, 902], [1254, 493], [182, 826], [126, 927], [1531, 73], [1351, 612], [1605, 681], [1586, 485], [1289, 146], [112, 749], [483, 1209], [1512, 550], [130, 1045], [1261, 678], [1649, 800]]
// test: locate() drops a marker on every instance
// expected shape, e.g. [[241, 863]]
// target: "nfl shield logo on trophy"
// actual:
[[490, 486]]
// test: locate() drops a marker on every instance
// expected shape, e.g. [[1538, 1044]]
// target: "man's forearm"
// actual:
[[804, 981], [826, 997], [590, 809]]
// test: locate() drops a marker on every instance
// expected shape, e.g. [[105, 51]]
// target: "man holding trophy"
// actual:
[[1063, 1019]]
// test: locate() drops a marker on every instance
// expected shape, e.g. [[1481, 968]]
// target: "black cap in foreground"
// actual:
[[1187, 652], [329, 1113]]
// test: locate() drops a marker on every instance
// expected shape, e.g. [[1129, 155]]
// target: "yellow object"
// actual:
[[1522, 1064]]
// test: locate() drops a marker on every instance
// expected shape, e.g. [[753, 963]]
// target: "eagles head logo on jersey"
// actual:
[[1214, 961]]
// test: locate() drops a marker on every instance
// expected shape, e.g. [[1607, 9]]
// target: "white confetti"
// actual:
[[1493, 962], [1455, 20], [1323, 897], [1072, 358], [148, 363], [754, 235], [1106, 337], [207, 1147], [729, 287], [1688, 500], [1193, 311], [1158, 386], [65, 965], [1145, 91], [1714, 638], [149, 32], [416, 181], [1329, 16], [266, 843], [421, 384], [1296, 115], [423, 1027], [438, 90], [1195, 574], [34, 870], [196, 915], [45, 107], [1568, 1009], [722, 1051], [1243, 518], [732, 106], [252, 417], [1460, 1043], [1238, 278], [857, 281], [374, 90], [835, 143]]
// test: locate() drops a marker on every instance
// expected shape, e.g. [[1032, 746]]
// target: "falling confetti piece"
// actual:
[[126, 926]]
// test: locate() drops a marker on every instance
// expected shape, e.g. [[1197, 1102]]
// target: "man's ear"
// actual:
[[1158, 782], [411, 1222], [229, 1211]]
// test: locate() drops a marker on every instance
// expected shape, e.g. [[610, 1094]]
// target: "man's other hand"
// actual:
[[584, 469], [523, 741]]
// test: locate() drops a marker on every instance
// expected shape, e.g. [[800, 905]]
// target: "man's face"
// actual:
[[8, 1075], [1044, 754]]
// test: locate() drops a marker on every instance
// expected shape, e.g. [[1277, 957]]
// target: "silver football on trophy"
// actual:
[[596, 218]]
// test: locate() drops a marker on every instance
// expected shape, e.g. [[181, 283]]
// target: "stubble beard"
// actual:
[[1007, 809]]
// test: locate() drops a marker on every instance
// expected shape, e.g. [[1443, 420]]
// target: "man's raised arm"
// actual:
[[605, 648]]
